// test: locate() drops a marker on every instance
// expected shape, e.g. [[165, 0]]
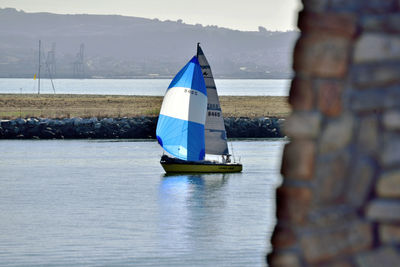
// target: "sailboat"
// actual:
[[191, 125]]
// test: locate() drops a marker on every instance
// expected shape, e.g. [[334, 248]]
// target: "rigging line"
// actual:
[[51, 78], [232, 152]]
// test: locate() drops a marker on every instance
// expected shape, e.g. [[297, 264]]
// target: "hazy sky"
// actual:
[[234, 14]]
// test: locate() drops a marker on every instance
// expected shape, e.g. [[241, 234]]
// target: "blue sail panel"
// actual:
[[182, 139], [180, 127], [190, 76]]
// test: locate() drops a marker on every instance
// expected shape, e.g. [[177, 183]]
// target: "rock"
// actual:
[[368, 134], [337, 134], [390, 154], [293, 204], [298, 160], [5, 123], [373, 47], [391, 120], [322, 55], [343, 25], [385, 256], [379, 23], [20, 121], [389, 184], [331, 177], [389, 233], [77, 121], [32, 122], [330, 97], [377, 6], [360, 181], [93, 120], [283, 237], [287, 259], [367, 101], [301, 96], [46, 134], [384, 210], [142, 127], [303, 125], [341, 240], [376, 75]]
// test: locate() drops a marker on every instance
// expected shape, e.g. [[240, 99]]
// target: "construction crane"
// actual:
[[79, 71]]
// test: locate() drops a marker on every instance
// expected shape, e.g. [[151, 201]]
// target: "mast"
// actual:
[[40, 43]]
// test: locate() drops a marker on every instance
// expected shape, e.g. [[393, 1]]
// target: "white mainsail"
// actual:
[[215, 134]]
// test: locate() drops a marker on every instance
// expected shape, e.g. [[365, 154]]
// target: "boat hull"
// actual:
[[174, 165], [201, 168]]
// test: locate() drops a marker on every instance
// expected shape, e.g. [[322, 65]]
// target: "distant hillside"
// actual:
[[121, 47]]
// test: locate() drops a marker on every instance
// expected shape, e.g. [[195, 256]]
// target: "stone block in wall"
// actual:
[[390, 154], [330, 97], [337, 24], [389, 233], [378, 6], [301, 96], [316, 6], [384, 210], [368, 101], [385, 256], [391, 119], [330, 178], [302, 124], [323, 245], [336, 134], [376, 75], [298, 159], [338, 263], [293, 204], [284, 259], [389, 23], [322, 55], [283, 237], [360, 181], [376, 47], [389, 184], [367, 136], [329, 216], [344, 6]]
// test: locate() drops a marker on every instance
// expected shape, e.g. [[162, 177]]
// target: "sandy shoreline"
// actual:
[[116, 106]]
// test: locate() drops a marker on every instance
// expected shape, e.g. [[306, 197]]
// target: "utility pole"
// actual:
[[40, 51]]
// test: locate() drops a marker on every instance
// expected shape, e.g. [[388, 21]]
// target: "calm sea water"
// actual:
[[108, 203], [154, 87]]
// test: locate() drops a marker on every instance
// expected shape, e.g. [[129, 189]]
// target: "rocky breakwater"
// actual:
[[253, 128], [111, 128]]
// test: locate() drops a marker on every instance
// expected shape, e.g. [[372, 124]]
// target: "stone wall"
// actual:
[[339, 204], [111, 128]]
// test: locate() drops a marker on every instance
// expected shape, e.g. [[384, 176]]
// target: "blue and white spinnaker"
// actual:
[[180, 127]]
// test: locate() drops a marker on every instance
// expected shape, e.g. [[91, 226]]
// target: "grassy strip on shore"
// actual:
[[85, 106]]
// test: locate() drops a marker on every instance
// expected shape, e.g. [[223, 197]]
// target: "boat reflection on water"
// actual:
[[190, 211]]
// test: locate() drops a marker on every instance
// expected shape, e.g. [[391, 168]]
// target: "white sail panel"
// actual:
[[215, 133], [180, 126], [192, 101]]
